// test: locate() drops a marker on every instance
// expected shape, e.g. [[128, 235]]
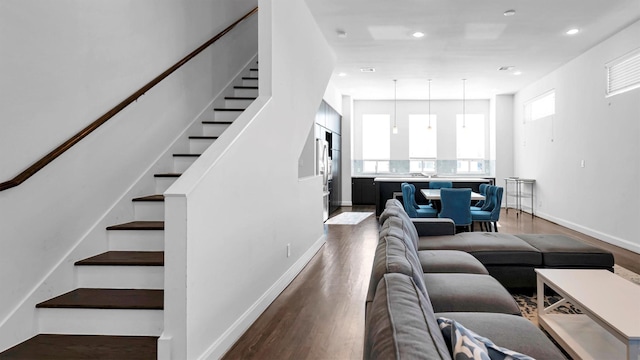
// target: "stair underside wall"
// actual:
[[232, 214]]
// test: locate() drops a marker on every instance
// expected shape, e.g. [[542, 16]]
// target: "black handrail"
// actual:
[[45, 160]]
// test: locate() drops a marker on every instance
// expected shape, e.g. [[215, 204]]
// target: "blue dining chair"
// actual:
[[456, 205], [490, 213], [483, 191], [415, 203], [409, 203], [440, 184]]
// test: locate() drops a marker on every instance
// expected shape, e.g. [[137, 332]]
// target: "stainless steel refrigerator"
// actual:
[[323, 167]]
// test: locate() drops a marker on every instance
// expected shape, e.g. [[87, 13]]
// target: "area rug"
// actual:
[[348, 218], [528, 304]]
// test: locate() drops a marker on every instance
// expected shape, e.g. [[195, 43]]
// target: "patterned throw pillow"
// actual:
[[466, 344]]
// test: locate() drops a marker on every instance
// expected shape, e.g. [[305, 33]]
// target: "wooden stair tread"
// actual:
[[126, 258], [186, 155], [139, 225], [239, 98], [217, 122], [246, 87], [203, 137], [158, 197], [85, 298], [253, 69], [84, 347], [227, 109], [167, 175], [249, 78]]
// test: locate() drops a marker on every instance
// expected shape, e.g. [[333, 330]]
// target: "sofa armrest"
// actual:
[[434, 226]]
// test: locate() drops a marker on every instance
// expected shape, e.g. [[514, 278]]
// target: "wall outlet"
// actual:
[[288, 250]]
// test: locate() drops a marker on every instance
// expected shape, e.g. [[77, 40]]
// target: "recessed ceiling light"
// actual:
[[518, 72], [418, 34], [573, 31], [368, 69], [509, 13], [342, 74]]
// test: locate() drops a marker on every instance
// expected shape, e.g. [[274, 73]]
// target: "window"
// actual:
[[423, 143], [540, 107], [376, 142], [470, 143], [623, 74]]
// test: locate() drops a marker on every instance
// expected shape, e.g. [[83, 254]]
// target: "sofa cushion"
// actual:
[[394, 256], [401, 323], [450, 261], [401, 220], [564, 251], [469, 292], [465, 344], [509, 331], [489, 248]]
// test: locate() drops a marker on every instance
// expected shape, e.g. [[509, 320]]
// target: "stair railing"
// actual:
[[55, 153]]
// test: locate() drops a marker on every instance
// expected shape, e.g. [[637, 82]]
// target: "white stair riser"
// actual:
[[120, 277], [182, 163], [226, 115], [136, 240], [213, 129], [198, 146], [100, 321], [253, 73], [163, 183], [250, 82], [237, 103], [246, 92], [148, 210]]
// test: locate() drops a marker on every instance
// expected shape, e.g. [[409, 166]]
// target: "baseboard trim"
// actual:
[[613, 240], [346, 203], [233, 333]]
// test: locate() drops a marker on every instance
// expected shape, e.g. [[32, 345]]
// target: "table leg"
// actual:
[[540, 295]]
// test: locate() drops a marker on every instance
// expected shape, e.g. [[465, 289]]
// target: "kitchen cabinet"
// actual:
[[363, 191]]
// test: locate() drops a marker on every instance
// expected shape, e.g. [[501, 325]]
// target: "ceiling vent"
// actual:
[[506, 68], [368, 69]]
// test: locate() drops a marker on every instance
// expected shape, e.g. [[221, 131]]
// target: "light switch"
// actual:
[[581, 163]]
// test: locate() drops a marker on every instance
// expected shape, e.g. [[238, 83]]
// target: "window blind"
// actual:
[[623, 74]]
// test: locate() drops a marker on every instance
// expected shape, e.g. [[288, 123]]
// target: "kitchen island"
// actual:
[[389, 187]]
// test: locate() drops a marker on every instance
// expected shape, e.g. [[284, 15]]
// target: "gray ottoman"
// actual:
[[560, 251]]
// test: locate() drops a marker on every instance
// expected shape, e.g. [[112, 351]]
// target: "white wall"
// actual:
[[63, 65], [347, 149], [602, 198], [502, 138], [228, 225]]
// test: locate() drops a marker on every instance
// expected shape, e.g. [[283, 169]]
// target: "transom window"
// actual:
[[540, 107]]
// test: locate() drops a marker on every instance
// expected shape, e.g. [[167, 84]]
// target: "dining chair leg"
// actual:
[[495, 226]]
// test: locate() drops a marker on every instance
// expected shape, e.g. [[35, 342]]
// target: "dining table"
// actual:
[[434, 194]]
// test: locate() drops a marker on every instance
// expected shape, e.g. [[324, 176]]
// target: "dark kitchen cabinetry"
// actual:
[[363, 191], [328, 122]]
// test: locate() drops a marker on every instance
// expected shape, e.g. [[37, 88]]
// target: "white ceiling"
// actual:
[[465, 39]]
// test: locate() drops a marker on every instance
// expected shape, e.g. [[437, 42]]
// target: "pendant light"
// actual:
[[395, 106], [429, 102], [464, 123]]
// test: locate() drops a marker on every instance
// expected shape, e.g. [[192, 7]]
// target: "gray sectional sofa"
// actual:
[[418, 281], [511, 259]]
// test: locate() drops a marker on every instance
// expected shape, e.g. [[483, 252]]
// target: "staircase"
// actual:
[[116, 310]]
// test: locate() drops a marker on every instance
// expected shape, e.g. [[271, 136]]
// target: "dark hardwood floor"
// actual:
[[321, 314]]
